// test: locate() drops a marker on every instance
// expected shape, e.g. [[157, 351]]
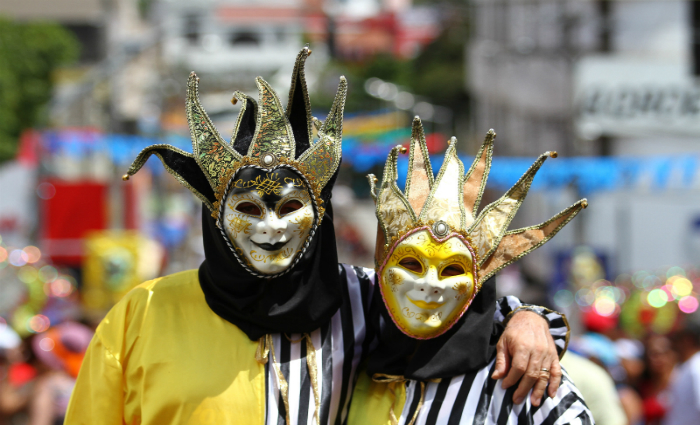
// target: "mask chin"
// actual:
[[268, 217], [427, 284]]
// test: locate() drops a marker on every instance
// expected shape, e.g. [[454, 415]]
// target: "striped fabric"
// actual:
[[340, 346], [476, 399]]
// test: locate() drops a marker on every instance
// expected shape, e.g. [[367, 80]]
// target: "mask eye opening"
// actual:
[[290, 206], [412, 264], [249, 208], [453, 269]]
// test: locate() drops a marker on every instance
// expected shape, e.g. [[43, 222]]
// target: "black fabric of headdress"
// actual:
[[468, 346], [299, 301]]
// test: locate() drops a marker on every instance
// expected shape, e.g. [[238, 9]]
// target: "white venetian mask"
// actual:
[[427, 283], [268, 215]]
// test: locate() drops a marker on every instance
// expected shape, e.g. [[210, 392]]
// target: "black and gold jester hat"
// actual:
[[265, 136]]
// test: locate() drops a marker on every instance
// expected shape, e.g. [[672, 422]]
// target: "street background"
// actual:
[[612, 86]]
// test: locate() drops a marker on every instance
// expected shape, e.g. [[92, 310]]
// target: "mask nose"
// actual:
[[430, 285], [272, 226]]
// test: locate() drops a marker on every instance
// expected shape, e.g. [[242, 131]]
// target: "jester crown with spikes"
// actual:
[[446, 206], [265, 137]]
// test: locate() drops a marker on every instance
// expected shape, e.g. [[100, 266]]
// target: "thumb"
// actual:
[[501, 360]]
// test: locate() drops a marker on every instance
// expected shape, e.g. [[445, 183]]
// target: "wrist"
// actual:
[[539, 311]]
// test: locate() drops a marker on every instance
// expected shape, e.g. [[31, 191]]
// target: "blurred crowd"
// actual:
[[654, 379], [650, 380], [37, 374]]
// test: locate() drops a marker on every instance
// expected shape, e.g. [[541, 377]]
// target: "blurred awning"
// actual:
[[364, 152]]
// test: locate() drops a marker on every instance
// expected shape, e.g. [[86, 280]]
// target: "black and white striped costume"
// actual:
[[475, 398], [340, 346]]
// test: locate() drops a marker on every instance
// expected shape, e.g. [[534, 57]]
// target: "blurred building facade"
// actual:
[[641, 99], [521, 58], [601, 78]]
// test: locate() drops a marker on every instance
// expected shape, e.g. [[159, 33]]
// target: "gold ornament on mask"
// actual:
[[237, 224], [264, 258], [304, 222]]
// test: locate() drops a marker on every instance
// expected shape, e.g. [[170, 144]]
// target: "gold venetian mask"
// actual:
[[428, 282]]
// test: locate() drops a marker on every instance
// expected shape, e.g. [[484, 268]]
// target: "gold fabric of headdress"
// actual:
[[448, 204], [207, 171]]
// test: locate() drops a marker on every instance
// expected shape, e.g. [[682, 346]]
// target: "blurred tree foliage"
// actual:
[[29, 53], [436, 73]]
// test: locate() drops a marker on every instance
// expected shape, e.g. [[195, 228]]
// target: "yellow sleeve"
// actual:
[[372, 402], [98, 396]]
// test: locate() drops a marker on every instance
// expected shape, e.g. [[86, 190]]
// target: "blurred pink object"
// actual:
[[63, 347]]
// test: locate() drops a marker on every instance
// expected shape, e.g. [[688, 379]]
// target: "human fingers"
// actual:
[[502, 359], [554, 377], [529, 378], [518, 367], [540, 386]]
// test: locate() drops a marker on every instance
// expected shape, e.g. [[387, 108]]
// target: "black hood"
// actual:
[[468, 346], [296, 302]]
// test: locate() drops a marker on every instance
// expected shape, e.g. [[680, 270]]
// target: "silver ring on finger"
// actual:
[[545, 370]]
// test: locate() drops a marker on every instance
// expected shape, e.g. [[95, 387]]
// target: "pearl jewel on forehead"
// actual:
[[441, 229]]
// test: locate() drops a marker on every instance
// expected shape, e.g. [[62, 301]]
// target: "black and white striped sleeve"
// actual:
[[477, 399], [558, 325]]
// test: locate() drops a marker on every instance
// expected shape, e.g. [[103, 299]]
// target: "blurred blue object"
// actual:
[[586, 174]]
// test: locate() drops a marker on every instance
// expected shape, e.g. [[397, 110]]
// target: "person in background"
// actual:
[[654, 389], [619, 357], [630, 354], [597, 388], [17, 377], [61, 349], [684, 408]]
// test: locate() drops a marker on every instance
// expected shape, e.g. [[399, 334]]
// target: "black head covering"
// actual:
[[299, 301], [469, 345]]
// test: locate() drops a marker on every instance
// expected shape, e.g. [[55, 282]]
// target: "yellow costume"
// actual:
[[162, 356], [373, 402]]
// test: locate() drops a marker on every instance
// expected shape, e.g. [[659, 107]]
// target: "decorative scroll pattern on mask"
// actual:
[[394, 279], [237, 224], [267, 185], [304, 222], [264, 258]]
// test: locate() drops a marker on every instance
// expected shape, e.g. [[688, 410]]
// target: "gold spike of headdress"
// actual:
[[211, 167], [448, 204], [273, 141]]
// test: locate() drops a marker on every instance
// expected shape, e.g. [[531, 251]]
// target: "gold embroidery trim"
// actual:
[[261, 355], [220, 191], [392, 381]]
